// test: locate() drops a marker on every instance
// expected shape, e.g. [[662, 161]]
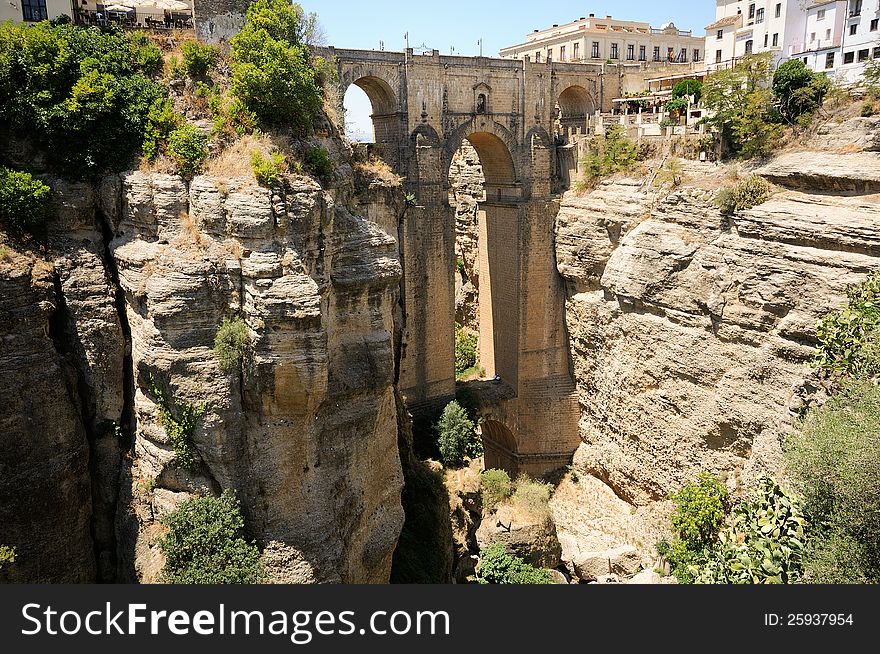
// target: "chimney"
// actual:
[[592, 15]]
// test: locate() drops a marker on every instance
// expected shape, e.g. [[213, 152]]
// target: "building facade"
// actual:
[[837, 37], [33, 11], [596, 40]]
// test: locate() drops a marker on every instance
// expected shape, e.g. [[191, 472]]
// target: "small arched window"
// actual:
[[481, 103]]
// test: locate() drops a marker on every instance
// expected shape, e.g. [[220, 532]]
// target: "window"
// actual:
[[759, 16], [853, 28], [752, 10], [849, 57], [827, 35], [577, 52], [718, 56], [561, 53], [778, 9], [820, 15], [812, 37], [538, 57], [614, 54], [829, 60], [874, 25], [720, 35], [34, 11], [863, 55], [657, 53], [526, 58], [549, 54], [642, 53], [876, 52], [749, 46], [766, 36], [696, 54], [481, 103], [630, 52], [857, 8], [595, 53], [775, 40], [682, 55]]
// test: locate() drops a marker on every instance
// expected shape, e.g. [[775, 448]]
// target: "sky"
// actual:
[[460, 24]]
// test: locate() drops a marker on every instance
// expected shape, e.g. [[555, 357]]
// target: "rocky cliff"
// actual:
[[690, 330], [142, 270]]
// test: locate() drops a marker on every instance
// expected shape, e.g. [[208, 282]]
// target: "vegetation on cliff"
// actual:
[[25, 202], [499, 567], [456, 437]]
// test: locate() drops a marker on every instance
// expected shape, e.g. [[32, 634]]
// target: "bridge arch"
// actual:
[[499, 447], [575, 104], [497, 149], [384, 102]]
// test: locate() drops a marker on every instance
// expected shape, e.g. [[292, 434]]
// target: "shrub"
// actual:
[[188, 148], [496, 487], [499, 567], [677, 106], [871, 78], [231, 343], [757, 132], [179, 420], [834, 461], [267, 172], [318, 161], [532, 497], [271, 70], [799, 89], [611, 153], [147, 55], [161, 121], [205, 544], [25, 202], [199, 58], [867, 110], [456, 437], [748, 193], [848, 338], [465, 350], [671, 173], [688, 87], [81, 95], [176, 68], [7, 555]]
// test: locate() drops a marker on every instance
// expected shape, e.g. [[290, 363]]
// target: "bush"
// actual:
[[271, 70], [677, 106], [499, 567], [456, 437], [147, 55], [267, 172], [688, 87], [867, 110], [25, 202], [611, 153], [834, 461], [748, 193], [495, 486], [188, 148], [205, 544], [7, 555], [465, 350], [81, 95], [848, 338], [231, 343], [758, 132], [871, 78], [532, 497], [318, 161], [199, 58], [161, 121], [798, 89], [179, 420]]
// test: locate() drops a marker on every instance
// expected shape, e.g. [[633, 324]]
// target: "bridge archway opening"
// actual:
[[575, 105], [484, 195], [499, 447], [383, 103], [358, 115]]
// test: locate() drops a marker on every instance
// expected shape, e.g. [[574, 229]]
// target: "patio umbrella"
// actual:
[[174, 5], [117, 8]]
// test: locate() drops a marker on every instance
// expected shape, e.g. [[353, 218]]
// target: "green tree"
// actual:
[[495, 486], [688, 87], [610, 153], [798, 89], [231, 343], [499, 567], [188, 148], [456, 437], [199, 58], [25, 202], [267, 172], [757, 131], [161, 121], [205, 544], [465, 350], [272, 74]]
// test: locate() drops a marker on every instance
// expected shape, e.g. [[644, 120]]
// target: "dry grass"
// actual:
[[147, 271], [162, 164], [234, 248], [235, 159], [376, 170], [190, 237]]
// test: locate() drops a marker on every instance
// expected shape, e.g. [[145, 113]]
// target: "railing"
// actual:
[[136, 18]]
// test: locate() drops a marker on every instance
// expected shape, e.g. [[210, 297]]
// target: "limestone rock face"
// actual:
[[45, 488], [530, 538], [849, 136], [690, 330], [306, 432]]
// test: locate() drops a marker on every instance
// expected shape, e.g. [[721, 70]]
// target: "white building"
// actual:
[[833, 36], [33, 11]]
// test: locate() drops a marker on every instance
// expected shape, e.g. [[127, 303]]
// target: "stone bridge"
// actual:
[[514, 113]]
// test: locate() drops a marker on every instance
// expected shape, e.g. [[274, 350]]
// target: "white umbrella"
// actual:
[[117, 8], [160, 4]]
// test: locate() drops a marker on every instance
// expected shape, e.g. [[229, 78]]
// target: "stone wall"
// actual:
[[217, 21]]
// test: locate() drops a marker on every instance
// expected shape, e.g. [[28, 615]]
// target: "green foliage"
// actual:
[[688, 87], [205, 544], [764, 544], [677, 106], [179, 420], [867, 110], [176, 68], [318, 161], [147, 55], [7, 555], [671, 173], [161, 121], [231, 344], [271, 71], [499, 567], [495, 486], [757, 132], [465, 349], [410, 200], [456, 437], [611, 153], [199, 58], [798, 89], [849, 339], [747, 193], [267, 172], [834, 461], [871, 78], [25, 202], [82, 95], [188, 148]]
